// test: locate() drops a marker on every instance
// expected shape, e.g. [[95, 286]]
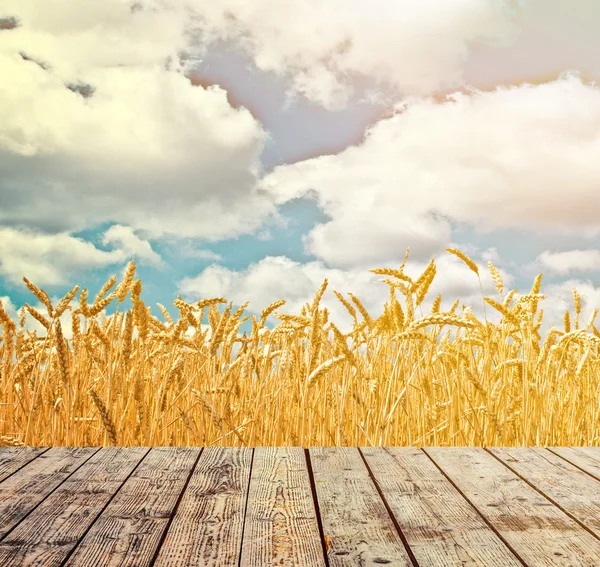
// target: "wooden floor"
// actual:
[[284, 506]]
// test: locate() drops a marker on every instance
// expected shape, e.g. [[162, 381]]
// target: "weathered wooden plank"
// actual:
[[586, 458], [13, 458], [440, 526], [573, 490], [355, 520], [52, 530], [26, 488], [542, 534], [129, 530], [207, 528], [281, 522]]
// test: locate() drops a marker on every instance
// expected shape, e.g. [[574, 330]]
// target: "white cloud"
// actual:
[[53, 260], [327, 49], [129, 243], [74, 36], [147, 149], [570, 261], [552, 36], [525, 157], [416, 48], [490, 255]]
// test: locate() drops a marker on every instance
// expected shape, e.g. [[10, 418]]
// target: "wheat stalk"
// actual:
[[105, 416]]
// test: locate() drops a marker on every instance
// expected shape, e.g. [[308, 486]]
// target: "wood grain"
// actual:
[[281, 523], [52, 530], [440, 526], [573, 490], [207, 529], [244, 507], [13, 458], [130, 529], [539, 532], [586, 458], [26, 488], [355, 520]]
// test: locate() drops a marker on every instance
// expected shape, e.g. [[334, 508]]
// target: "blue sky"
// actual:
[[250, 150]]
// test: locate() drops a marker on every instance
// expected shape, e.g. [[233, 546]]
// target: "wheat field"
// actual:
[[130, 379]]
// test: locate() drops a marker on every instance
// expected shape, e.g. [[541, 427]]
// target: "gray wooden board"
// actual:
[[440, 526], [538, 531], [586, 458], [13, 458], [129, 530], [573, 490], [21, 492], [207, 528], [355, 520], [281, 523], [52, 530]]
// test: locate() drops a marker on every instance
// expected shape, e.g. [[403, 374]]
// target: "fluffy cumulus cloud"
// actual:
[[54, 259], [124, 238], [99, 123], [564, 263], [415, 48], [507, 159]]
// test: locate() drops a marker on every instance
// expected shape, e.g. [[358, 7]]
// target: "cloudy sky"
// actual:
[[250, 150]]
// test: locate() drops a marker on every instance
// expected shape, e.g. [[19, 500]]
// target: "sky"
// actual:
[[249, 150]]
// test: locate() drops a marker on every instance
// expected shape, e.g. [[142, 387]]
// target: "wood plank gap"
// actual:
[[246, 509], [389, 510], [207, 528], [441, 527], [490, 525], [313, 489], [53, 529], [597, 477], [281, 523], [7, 532], [68, 556], [129, 529], [174, 511], [33, 457], [546, 496]]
